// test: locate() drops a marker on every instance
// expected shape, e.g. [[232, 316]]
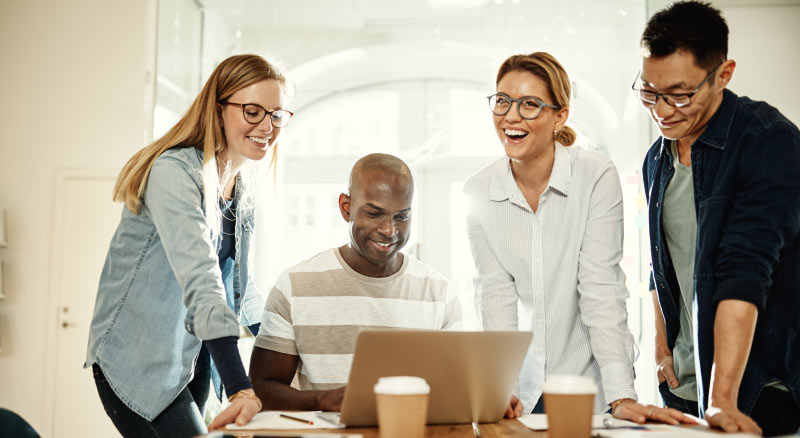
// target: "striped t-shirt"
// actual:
[[317, 308]]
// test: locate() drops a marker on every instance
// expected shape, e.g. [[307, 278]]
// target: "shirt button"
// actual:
[[236, 265], [236, 295], [657, 204]]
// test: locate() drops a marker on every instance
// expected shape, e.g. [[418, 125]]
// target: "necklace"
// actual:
[[228, 212]]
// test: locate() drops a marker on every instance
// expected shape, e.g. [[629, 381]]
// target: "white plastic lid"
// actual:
[[402, 385], [560, 384]]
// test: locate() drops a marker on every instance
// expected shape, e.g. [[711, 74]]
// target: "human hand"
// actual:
[[665, 370], [514, 408], [331, 400], [630, 410], [726, 415], [241, 410]]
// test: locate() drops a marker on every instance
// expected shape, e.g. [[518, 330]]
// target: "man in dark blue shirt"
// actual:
[[723, 189]]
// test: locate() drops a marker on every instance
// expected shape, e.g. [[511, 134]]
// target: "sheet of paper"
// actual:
[[272, 420], [666, 431], [539, 421], [618, 428]]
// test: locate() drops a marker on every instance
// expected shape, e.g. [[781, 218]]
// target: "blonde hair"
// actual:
[[544, 66], [200, 128]]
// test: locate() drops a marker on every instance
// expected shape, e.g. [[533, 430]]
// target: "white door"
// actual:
[[84, 221]]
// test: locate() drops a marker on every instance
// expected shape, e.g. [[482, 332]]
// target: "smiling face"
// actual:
[[378, 211], [246, 141], [678, 73], [522, 139]]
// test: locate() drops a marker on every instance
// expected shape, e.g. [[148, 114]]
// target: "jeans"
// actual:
[[181, 419], [673, 401], [776, 412]]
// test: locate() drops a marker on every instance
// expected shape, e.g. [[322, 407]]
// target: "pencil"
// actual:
[[302, 420]]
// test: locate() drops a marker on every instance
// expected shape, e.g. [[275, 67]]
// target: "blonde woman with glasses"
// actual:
[[178, 281], [545, 229]]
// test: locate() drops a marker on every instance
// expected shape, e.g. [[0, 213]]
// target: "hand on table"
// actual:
[[727, 416], [241, 410], [514, 408], [331, 400], [630, 410]]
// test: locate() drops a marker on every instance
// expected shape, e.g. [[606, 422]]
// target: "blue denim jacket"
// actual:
[[746, 171], [161, 289]]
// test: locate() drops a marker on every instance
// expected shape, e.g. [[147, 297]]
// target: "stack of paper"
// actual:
[[273, 420]]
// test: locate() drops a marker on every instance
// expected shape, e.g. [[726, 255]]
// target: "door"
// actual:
[[84, 221]]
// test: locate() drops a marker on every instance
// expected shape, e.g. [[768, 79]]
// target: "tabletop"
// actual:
[[502, 429]]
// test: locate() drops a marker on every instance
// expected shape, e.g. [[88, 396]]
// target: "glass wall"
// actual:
[[411, 78]]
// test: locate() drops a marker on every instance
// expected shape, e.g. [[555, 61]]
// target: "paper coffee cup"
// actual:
[[569, 402], [402, 403]]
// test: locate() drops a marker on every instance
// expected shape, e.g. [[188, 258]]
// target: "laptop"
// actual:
[[471, 374]]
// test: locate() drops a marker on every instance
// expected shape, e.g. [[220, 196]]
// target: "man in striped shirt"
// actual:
[[317, 308]]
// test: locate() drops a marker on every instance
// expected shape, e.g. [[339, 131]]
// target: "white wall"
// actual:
[[73, 81], [763, 41]]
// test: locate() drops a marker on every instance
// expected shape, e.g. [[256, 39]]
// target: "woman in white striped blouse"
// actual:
[[545, 229]]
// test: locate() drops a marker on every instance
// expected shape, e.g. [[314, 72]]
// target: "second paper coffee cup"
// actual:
[[569, 402]]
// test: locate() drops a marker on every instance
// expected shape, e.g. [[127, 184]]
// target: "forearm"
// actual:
[[734, 326], [280, 396], [226, 357], [661, 346], [611, 344]]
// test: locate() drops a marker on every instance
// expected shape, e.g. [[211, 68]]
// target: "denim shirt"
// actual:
[[746, 177], [161, 289]]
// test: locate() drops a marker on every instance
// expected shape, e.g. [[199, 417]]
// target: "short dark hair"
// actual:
[[693, 26]]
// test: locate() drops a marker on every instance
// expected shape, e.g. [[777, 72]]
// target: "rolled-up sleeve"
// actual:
[[601, 286], [173, 200]]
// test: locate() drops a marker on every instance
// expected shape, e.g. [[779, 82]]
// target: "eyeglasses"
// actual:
[[254, 113], [528, 107], [678, 100]]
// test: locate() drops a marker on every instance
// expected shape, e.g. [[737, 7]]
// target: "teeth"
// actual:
[[262, 140], [515, 132], [385, 245]]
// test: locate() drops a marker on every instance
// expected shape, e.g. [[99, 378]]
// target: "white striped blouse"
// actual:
[[555, 272]]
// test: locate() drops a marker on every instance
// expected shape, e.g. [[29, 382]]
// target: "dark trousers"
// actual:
[[776, 412], [183, 418], [673, 401], [539, 408]]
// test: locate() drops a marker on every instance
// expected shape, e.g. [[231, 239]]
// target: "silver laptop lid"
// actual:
[[471, 374]]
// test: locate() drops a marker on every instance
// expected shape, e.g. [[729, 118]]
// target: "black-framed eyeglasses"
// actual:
[[528, 107], [678, 100], [254, 113]]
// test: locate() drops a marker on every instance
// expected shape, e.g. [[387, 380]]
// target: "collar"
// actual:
[[716, 133], [718, 128], [503, 186]]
